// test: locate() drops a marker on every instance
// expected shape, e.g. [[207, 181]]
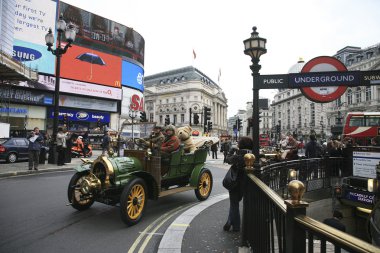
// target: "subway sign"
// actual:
[[319, 79], [366, 198]]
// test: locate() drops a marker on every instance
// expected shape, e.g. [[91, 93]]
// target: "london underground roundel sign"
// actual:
[[327, 93]]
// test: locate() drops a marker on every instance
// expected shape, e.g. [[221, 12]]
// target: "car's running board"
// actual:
[[176, 190]]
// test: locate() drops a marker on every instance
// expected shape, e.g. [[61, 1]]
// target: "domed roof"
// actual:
[[296, 68]]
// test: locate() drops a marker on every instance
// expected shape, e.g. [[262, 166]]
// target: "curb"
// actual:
[[31, 172], [172, 239]]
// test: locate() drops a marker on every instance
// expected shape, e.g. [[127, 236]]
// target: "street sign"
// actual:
[[370, 77], [323, 79], [273, 81], [324, 94]]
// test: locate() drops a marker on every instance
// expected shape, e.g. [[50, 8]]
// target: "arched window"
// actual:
[[349, 97], [358, 95]]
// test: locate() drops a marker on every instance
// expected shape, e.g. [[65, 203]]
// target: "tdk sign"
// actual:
[[25, 54]]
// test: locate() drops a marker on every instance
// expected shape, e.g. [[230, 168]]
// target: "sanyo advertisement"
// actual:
[[33, 18]]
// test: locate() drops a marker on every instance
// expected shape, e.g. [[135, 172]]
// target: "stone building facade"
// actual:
[[180, 94]]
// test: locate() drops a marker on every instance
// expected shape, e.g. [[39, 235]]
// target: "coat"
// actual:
[[238, 165]]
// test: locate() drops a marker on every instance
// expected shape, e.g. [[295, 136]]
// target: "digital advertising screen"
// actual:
[[88, 65], [102, 34], [33, 18], [132, 75]]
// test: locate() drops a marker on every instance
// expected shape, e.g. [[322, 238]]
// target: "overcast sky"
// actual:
[[215, 30]]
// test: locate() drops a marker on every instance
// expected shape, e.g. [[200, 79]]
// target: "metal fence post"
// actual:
[[295, 236]]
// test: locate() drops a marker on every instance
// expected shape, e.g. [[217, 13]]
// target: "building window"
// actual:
[[161, 119], [358, 94], [182, 118], [174, 100], [160, 101], [151, 117], [368, 93], [299, 116], [195, 97], [312, 114], [167, 101], [174, 119], [349, 97], [181, 99]]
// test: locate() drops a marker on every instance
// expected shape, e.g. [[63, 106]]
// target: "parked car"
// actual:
[[14, 149]]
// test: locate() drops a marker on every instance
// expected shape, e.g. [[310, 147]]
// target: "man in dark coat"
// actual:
[[313, 149], [34, 148]]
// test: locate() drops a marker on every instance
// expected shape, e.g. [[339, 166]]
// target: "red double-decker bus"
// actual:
[[361, 127], [264, 140]]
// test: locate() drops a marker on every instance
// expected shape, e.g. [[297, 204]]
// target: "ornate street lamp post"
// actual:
[[133, 115], [255, 47], [58, 52]]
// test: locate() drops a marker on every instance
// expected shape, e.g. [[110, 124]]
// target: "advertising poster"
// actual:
[[364, 164], [87, 103], [132, 100], [104, 35], [33, 18], [81, 115], [132, 76], [91, 66]]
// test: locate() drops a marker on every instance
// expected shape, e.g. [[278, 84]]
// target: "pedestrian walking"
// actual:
[[313, 149], [61, 146], [214, 150], [106, 143], [245, 146], [34, 148]]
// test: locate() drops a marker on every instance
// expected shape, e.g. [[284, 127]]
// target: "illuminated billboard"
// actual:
[[104, 35], [91, 66], [132, 75], [32, 22]]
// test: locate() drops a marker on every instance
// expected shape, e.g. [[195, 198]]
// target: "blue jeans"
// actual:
[[234, 213]]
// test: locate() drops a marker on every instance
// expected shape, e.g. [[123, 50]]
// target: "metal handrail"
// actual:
[[337, 237]]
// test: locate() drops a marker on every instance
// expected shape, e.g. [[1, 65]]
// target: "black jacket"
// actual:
[[236, 159]]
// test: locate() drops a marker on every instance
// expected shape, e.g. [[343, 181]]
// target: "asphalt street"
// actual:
[[35, 217]]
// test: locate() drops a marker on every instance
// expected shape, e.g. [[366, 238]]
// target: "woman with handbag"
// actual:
[[234, 182]]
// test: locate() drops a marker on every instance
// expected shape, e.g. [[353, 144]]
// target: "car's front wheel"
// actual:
[[78, 199], [133, 201], [12, 157], [204, 185]]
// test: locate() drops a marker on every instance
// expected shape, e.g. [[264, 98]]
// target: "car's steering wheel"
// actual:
[[141, 143]]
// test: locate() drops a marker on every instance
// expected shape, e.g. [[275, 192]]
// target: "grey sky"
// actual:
[[215, 29]]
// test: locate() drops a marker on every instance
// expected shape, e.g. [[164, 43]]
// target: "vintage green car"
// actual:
[[133, 179]]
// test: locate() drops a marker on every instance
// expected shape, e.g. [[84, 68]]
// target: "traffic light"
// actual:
[[196, 118], [209, 126], [239, 124], [143, 117], [167, 120], [98, 123], [260, 116], [207, 115], [278, 128], [65, 120]]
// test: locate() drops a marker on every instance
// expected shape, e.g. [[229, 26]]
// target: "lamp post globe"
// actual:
[[255, 47], [58, 52]]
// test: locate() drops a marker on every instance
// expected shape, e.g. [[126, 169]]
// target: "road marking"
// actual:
[[146, 230], [147, 239], [152, 233], [179, 225], [172, 239]]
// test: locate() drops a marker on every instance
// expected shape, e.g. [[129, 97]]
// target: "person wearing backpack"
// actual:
[[235, 190]]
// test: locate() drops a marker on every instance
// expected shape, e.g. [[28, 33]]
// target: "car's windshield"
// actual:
[[3, 140]]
